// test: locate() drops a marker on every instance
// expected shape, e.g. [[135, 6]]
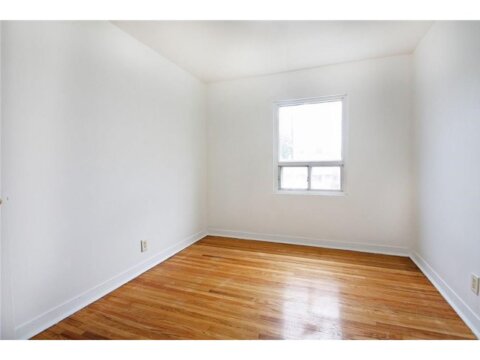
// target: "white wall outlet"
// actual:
[[143, 245], [474, 284]]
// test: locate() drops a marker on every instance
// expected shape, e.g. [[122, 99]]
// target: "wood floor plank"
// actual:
[[222, 288]]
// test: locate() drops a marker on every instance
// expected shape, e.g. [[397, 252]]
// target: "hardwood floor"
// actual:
[[223, 288]]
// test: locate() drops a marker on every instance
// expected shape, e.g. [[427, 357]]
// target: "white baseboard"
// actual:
[[455, 301], [53, 316], [297, 240]]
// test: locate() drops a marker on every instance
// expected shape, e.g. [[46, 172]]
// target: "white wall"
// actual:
[[447, 127], [377, 208], [104, 145]]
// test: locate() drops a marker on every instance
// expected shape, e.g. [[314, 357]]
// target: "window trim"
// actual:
[[278, 164]]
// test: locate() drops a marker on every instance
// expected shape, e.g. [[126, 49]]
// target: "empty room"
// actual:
[[240, 180]]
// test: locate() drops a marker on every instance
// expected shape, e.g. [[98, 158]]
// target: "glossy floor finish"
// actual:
[[223, 288]]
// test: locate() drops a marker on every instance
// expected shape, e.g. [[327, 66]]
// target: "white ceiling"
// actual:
[[222, 50]]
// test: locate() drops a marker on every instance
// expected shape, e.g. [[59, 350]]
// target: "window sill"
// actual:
[[311, 192]]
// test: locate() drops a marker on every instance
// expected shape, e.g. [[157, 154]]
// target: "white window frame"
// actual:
[[309, 164]]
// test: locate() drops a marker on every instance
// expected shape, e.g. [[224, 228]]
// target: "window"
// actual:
[[310, 136]]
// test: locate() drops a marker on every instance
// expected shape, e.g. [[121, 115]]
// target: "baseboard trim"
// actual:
[[53, 316], [298, 240], [455, 301], [58, 313]]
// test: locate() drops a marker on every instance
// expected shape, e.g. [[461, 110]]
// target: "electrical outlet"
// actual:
[[143, 245], [474, 284]]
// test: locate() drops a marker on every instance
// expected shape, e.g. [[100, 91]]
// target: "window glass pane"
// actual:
[[294, 178], [326, 178], [310, 132]]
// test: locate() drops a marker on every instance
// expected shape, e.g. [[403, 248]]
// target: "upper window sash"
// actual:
[[301, 137]]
